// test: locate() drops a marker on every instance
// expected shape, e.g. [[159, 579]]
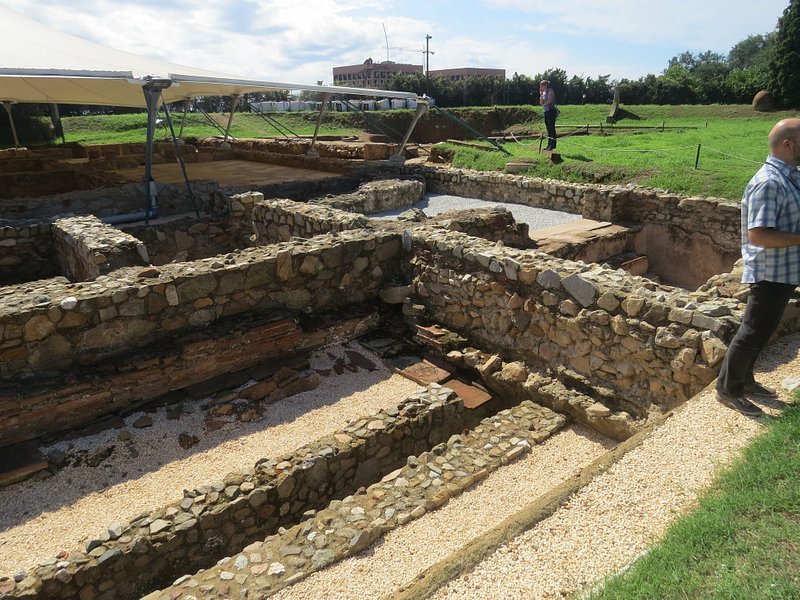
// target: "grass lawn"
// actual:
[[744, 540], [732, 139], [106, 129]]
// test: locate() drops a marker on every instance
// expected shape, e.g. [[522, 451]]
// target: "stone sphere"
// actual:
[[763, 101]]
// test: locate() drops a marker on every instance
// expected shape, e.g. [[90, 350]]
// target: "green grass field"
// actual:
[[744, 540], [732, 140], [105, 129]]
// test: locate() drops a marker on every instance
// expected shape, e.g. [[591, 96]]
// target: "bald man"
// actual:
[[771, 252]]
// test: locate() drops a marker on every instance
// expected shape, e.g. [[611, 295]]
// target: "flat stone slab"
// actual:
[[425, 373], [472, 396]]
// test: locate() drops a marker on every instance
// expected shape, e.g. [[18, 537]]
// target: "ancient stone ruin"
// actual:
[[611, 321]]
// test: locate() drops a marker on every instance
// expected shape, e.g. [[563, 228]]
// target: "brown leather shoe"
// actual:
[[739, 404]]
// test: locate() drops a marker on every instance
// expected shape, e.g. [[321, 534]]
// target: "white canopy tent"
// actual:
[[39, 64]]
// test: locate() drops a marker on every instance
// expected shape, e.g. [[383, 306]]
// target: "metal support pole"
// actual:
[[397, 157], [312, 151], [152, 93], [55, 119], [234, 104], [179, 156], [186, 102], [427, 65], [697, 158], [7, 106]]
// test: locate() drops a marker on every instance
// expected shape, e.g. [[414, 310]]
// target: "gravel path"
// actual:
[[410, 549], [536, 218], [41, 518], [616, 517]]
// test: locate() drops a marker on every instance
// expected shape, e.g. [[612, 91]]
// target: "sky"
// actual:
[[301, 41]]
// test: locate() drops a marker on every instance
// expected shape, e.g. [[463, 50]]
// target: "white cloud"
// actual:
[[716, 24], [302, 41]]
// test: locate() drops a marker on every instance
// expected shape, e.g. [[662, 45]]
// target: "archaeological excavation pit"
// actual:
[[219, 318]]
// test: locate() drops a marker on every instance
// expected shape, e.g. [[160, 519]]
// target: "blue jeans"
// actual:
[[762, 315]]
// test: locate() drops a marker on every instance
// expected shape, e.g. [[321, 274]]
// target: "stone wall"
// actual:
[[650, 344], [53, 324], [87, 248], [281, 220], [221, 518], [426, 482], [189, 238], [26, 252], [104, 202], [495, 223], [687, 239], [68, 399], [378, 196], [500, 187]]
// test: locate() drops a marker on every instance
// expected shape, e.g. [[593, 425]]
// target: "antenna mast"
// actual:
[[386, 37]]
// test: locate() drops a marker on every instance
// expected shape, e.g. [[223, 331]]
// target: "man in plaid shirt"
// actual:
[[771, 252]]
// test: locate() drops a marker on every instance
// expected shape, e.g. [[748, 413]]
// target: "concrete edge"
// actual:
[[469, 556]]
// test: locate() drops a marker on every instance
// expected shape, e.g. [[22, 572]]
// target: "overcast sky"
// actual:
[[301, 40]]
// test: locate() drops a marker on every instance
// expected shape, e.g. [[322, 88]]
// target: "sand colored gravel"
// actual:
[[607, 524], [40, 518], [410, 549]]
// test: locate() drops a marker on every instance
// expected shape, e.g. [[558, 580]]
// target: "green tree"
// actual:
[[784, 66], [754, 51]]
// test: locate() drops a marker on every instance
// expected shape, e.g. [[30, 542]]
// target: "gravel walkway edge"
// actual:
[[468, 557]]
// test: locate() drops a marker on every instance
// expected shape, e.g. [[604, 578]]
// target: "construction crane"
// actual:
[[386, 38]]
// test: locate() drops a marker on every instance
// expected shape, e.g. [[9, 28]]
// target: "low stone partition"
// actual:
[[349, 526], [649, 344], [281, 220], [222, 518], [51, 325], [501, 187], [87, 248], [27, 252], [495, 223], [189, 238], [378, 196], [107, 201], [687, 239]]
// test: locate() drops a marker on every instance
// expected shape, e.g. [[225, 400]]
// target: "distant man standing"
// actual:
[[771, 252], [547, 100]]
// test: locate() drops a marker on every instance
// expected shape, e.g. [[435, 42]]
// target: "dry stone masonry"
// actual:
[[50, 322], [87, 248], [224, 517], [654, 346], [348, 526], [26, 251]]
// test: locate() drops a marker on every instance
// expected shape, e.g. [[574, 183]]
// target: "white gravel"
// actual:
[[410, 549], [41, 518], [607, 524], [536, 218]]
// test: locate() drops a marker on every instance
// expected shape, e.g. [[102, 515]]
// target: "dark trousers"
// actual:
[[550, 123], [762, 314]]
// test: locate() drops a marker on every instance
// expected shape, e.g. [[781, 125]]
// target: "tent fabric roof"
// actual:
[[41, 64]]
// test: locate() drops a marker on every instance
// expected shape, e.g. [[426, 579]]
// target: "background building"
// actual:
[[371, 74]]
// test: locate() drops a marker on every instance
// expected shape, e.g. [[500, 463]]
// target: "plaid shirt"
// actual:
[[772, 199]]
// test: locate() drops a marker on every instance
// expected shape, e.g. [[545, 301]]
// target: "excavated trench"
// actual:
[[456, 302]]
